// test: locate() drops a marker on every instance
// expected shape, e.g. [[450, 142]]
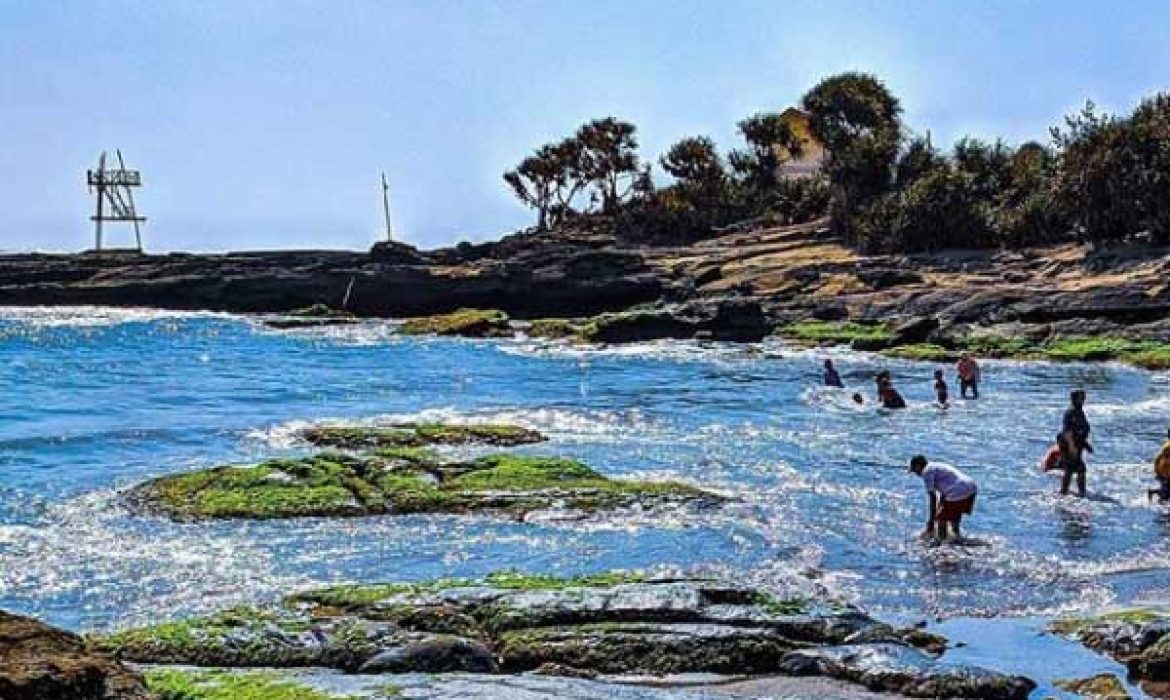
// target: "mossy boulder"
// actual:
[[178, 684], [399, 481], [554, 329], [469, 323], [420, 434], [1104, 686]]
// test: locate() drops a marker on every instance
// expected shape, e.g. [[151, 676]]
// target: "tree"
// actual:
[[768, 137], [857, 119], [919, 158], [609, 159], [695, 161], [1097, 174], [549, 181]]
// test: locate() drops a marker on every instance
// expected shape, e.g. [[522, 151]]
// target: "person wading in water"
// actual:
[[1074, 434], [952, 495]]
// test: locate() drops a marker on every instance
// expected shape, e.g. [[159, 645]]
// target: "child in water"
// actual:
[[940, 388]]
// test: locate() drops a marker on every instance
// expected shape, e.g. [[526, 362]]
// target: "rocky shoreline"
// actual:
[[1058, 302]]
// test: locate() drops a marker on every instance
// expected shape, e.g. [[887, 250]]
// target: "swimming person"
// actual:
[[940, 387], [888, 396], [1162, 473], [1074, 432], [969, 376], [832, 377], [952, 495]]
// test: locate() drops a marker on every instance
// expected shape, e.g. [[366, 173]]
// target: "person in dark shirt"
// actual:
[[940, 388], [1074, 431], [887, 394], [832, 377]]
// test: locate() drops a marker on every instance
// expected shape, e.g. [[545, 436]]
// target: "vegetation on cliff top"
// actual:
[[1099, 177]]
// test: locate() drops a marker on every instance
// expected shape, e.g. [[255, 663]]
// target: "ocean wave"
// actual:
[[98, 316]]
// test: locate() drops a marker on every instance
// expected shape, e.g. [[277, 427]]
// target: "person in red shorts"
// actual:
[[952, 495]]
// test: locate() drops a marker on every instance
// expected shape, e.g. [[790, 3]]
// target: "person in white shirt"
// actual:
[[952, 495]]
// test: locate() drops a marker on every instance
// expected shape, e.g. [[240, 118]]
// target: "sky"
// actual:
[[265, 124]]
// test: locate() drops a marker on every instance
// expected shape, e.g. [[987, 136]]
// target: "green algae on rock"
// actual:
[[175, 684], [420, 434], [610, 622], [399, 482], [471, 323]]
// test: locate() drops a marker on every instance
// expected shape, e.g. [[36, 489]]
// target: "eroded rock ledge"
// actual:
[[612, 623]]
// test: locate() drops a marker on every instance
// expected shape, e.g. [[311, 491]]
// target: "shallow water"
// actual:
[[95, 400]]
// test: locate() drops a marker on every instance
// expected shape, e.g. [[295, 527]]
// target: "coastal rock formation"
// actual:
[[900, 669], [1140, 639], [420, 434], [400, 481], [39, 662], [611, 623], [469, 323], [313, 316]]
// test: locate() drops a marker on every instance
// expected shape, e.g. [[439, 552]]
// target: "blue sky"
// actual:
[[265, 124]]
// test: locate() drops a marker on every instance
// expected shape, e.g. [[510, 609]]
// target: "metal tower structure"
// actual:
[[113, 188], [386, 207]]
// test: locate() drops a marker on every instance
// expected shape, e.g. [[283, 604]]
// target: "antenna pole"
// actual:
[[101, 195], [386, 207]]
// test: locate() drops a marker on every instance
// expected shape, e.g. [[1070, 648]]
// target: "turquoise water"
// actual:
[[94, 401]]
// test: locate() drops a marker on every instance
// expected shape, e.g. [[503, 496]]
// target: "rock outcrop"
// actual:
[[604, 624], [39, 662], [400, 481], [1140, 639]]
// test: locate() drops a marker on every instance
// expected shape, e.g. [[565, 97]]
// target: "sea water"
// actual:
[[96, 400]]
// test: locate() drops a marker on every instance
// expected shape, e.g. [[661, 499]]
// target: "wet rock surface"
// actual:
[[579, 628], [39, 662], [1139, 639], [398, 481], [900, 669]]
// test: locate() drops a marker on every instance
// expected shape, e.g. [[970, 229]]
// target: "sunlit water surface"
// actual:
[[96, 400]]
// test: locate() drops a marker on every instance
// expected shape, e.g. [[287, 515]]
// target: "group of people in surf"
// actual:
[[952, 493], [967, 370]]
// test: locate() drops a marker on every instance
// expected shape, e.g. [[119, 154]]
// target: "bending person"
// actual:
[[952, 495]]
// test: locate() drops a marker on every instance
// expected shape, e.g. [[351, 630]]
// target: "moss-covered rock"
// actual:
[[607, 622], [252, 637], [176, 684], [836, 332], [1103, 686], [420, 434], [398, 481], [554, 329], [470, 323]]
